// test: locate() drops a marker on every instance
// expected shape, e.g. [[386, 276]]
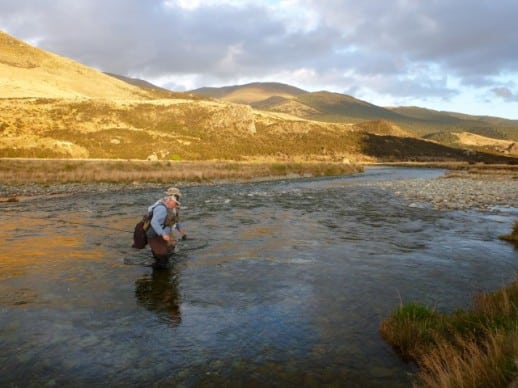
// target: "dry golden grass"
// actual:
[[475, 348], [16, 171], [462, 168], [513, 236], [250, 95], [27, 71], [470, 362], [471, 139]]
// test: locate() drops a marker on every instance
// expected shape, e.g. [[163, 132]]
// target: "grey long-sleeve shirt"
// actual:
[[157, 221], [160, 211]]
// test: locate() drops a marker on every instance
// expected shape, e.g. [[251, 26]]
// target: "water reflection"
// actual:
[[158, 292], [282, 284]]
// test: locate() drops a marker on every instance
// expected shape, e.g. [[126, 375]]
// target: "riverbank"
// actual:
[[22, 179], [464, 186], [460, 190], [468, 348], [475, 347]]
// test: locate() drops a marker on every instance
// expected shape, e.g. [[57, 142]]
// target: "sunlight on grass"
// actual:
[[15, 172], [474, 348]]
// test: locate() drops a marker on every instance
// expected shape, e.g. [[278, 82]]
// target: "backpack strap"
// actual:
[[147, 217]]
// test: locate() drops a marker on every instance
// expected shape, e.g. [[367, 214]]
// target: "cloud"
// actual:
[[406, 49], [505, 94]]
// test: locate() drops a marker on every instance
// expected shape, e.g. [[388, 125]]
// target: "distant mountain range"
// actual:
[[335, 107], [55, 107]]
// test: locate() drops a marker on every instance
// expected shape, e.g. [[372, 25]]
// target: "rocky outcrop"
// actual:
[[232, 116], [513, 148]]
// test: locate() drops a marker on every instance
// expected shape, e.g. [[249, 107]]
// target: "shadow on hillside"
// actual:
[[396, 149]]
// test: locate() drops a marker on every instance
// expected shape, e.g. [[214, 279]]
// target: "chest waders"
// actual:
[[159, 247]]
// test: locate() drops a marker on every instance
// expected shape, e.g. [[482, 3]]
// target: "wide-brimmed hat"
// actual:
[[173, 191]]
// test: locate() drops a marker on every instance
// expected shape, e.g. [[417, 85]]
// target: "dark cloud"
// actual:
[[505, 94], [401, 48]]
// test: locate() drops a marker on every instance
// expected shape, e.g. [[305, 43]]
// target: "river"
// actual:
[[280, 283]]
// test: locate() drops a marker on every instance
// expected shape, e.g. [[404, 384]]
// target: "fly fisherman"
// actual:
[[165, 220]]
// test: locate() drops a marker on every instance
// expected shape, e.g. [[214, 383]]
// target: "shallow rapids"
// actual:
[[282, 283]]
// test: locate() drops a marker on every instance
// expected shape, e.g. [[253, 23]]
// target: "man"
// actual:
[[176, 213], [160, 233]]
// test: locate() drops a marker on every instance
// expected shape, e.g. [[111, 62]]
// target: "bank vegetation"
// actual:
[[513, 236], [467, 348], [40, 171]]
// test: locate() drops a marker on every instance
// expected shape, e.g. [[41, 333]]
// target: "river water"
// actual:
[[280, 283]]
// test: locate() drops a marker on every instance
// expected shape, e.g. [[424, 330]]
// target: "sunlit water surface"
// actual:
[[281, 284]]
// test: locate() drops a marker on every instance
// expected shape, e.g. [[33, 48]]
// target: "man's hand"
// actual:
[[166, 237]]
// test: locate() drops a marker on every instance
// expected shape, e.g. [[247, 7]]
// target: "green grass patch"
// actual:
[[467, 348], [513, 236]]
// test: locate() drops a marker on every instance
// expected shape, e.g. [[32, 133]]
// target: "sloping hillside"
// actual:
[[343, 108], [53, 107], [438, 121], [336, 107], [157, 92], [26, 71], [322, 106], [251, 93], [383, 128], [471, 141]]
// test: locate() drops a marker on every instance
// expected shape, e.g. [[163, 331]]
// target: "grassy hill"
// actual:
[[335, 107], [435, 121], [26, 71], [53, 107], [250, 93], [473, 141]]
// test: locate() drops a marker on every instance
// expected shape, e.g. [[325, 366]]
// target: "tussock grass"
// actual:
[[513, 237], [474, 348], [471, 363], [16, 172]]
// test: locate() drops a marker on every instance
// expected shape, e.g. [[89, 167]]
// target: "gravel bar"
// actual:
[[480, 192], [455, 191]]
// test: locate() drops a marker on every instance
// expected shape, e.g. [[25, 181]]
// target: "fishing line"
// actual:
[[93, 226], [76, 223], [191, 244], [184, 245]]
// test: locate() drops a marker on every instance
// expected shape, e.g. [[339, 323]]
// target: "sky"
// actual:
[[451, 55]]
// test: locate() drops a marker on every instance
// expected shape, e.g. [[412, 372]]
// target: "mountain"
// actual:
[[26, 71], [322, 106], [338, 107], [438, 121], [136, 81], [53, 107], [157, 90], [335, 107], [250, 93]]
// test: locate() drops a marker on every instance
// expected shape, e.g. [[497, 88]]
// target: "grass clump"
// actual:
[[473, 348], [513, 237]]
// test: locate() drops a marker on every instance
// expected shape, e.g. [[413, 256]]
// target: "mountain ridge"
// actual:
[[26, 71], [336, 107], [54, 107]]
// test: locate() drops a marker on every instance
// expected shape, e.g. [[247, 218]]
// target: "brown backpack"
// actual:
[[139, 233]]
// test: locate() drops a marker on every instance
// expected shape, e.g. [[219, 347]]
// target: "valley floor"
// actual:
[[463, 186]]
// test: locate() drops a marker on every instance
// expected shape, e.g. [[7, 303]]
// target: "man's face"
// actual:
[[170, 203]]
